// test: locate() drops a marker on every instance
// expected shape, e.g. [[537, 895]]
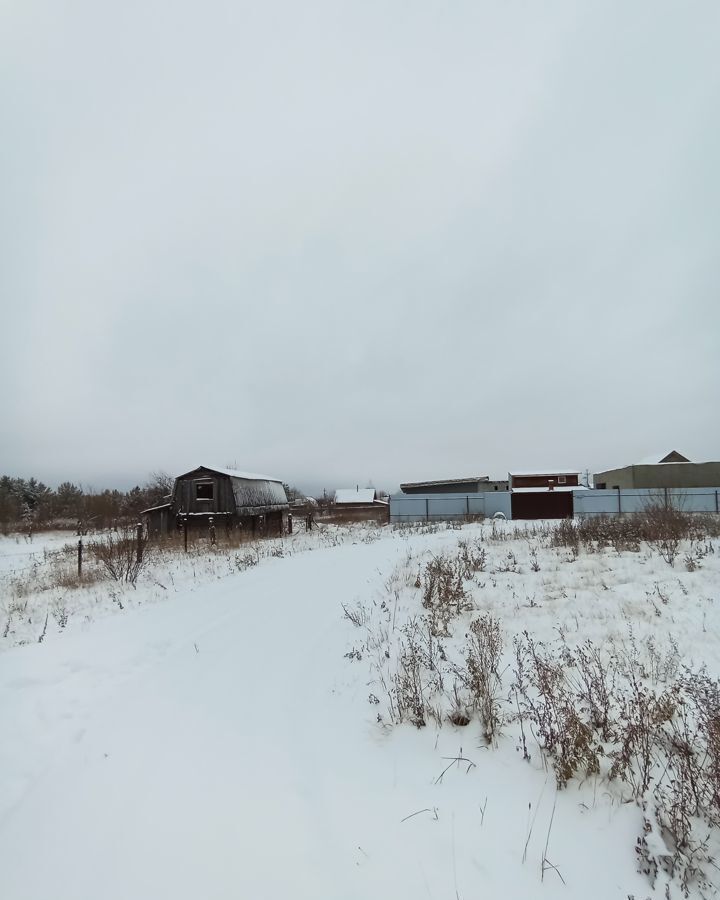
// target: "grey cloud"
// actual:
[[350, 241]]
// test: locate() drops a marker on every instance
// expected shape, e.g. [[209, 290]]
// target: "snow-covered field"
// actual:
[[229, 728]]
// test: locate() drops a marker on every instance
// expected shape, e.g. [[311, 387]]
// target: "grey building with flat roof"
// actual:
[[671, 471], [475, 484]]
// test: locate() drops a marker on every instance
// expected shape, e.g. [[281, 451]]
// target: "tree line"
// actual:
[[28, 504]]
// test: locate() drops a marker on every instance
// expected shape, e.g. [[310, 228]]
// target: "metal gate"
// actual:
[[542, 505]]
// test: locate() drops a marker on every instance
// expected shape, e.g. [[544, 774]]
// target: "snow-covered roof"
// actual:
[[236, 473], [558, 489], [655, 459], [304, 501], [353, 495], [479, 478], [545, 472]]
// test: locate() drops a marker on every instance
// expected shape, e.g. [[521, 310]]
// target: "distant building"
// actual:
[[672, 470], [304, 502], [231, 498], [471, 485], [357, 505], [356, 496]]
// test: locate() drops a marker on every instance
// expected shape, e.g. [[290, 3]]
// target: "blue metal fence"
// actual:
[[444, 507], [626, 500]]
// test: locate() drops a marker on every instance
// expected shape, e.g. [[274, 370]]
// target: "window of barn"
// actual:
[[204, 490]]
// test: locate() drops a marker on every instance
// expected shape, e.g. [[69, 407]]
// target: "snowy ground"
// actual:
[[215, 733], [18, 553]]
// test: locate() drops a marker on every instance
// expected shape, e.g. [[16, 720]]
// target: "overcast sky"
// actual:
[[338, 242]]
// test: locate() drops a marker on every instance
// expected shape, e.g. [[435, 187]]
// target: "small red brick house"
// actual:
[[544, 479]]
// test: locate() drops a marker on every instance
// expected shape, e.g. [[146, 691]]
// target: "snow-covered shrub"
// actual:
[[640, 717], [472, 556], [508, 564], [418, 681], [444, 594], [357, 615], [664, 526], [622, 533], [246, 560], [121, 556], [547, 700], [483, 656], [407, 700]]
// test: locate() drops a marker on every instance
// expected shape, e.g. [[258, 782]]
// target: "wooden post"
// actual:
[[185, 531], [80, 558], [427, 509], [619, 502], [717, 508], [139, 531]]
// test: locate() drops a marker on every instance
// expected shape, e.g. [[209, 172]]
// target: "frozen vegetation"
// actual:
[[498, 709]]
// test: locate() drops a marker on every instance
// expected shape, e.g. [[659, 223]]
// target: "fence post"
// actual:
[[427, 509], [467, 506], [619, 502], [80, 558], [138, 531], [666, 498], [185, 531], [717, 508]]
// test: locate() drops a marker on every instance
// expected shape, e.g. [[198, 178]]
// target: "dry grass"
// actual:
[[662, 527], [623, 712]]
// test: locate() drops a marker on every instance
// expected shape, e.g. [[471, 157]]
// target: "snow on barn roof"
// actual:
[[252, 492], [235, 473], [155, 508], [355, 495]]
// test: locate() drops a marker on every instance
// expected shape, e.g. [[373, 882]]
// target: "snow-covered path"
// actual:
[[176, 771], [219, 746]]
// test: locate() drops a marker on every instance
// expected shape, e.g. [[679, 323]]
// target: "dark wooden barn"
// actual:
[[231, 498]]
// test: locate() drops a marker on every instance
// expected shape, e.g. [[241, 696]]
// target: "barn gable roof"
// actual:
[[254, 494], [232, 473]]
